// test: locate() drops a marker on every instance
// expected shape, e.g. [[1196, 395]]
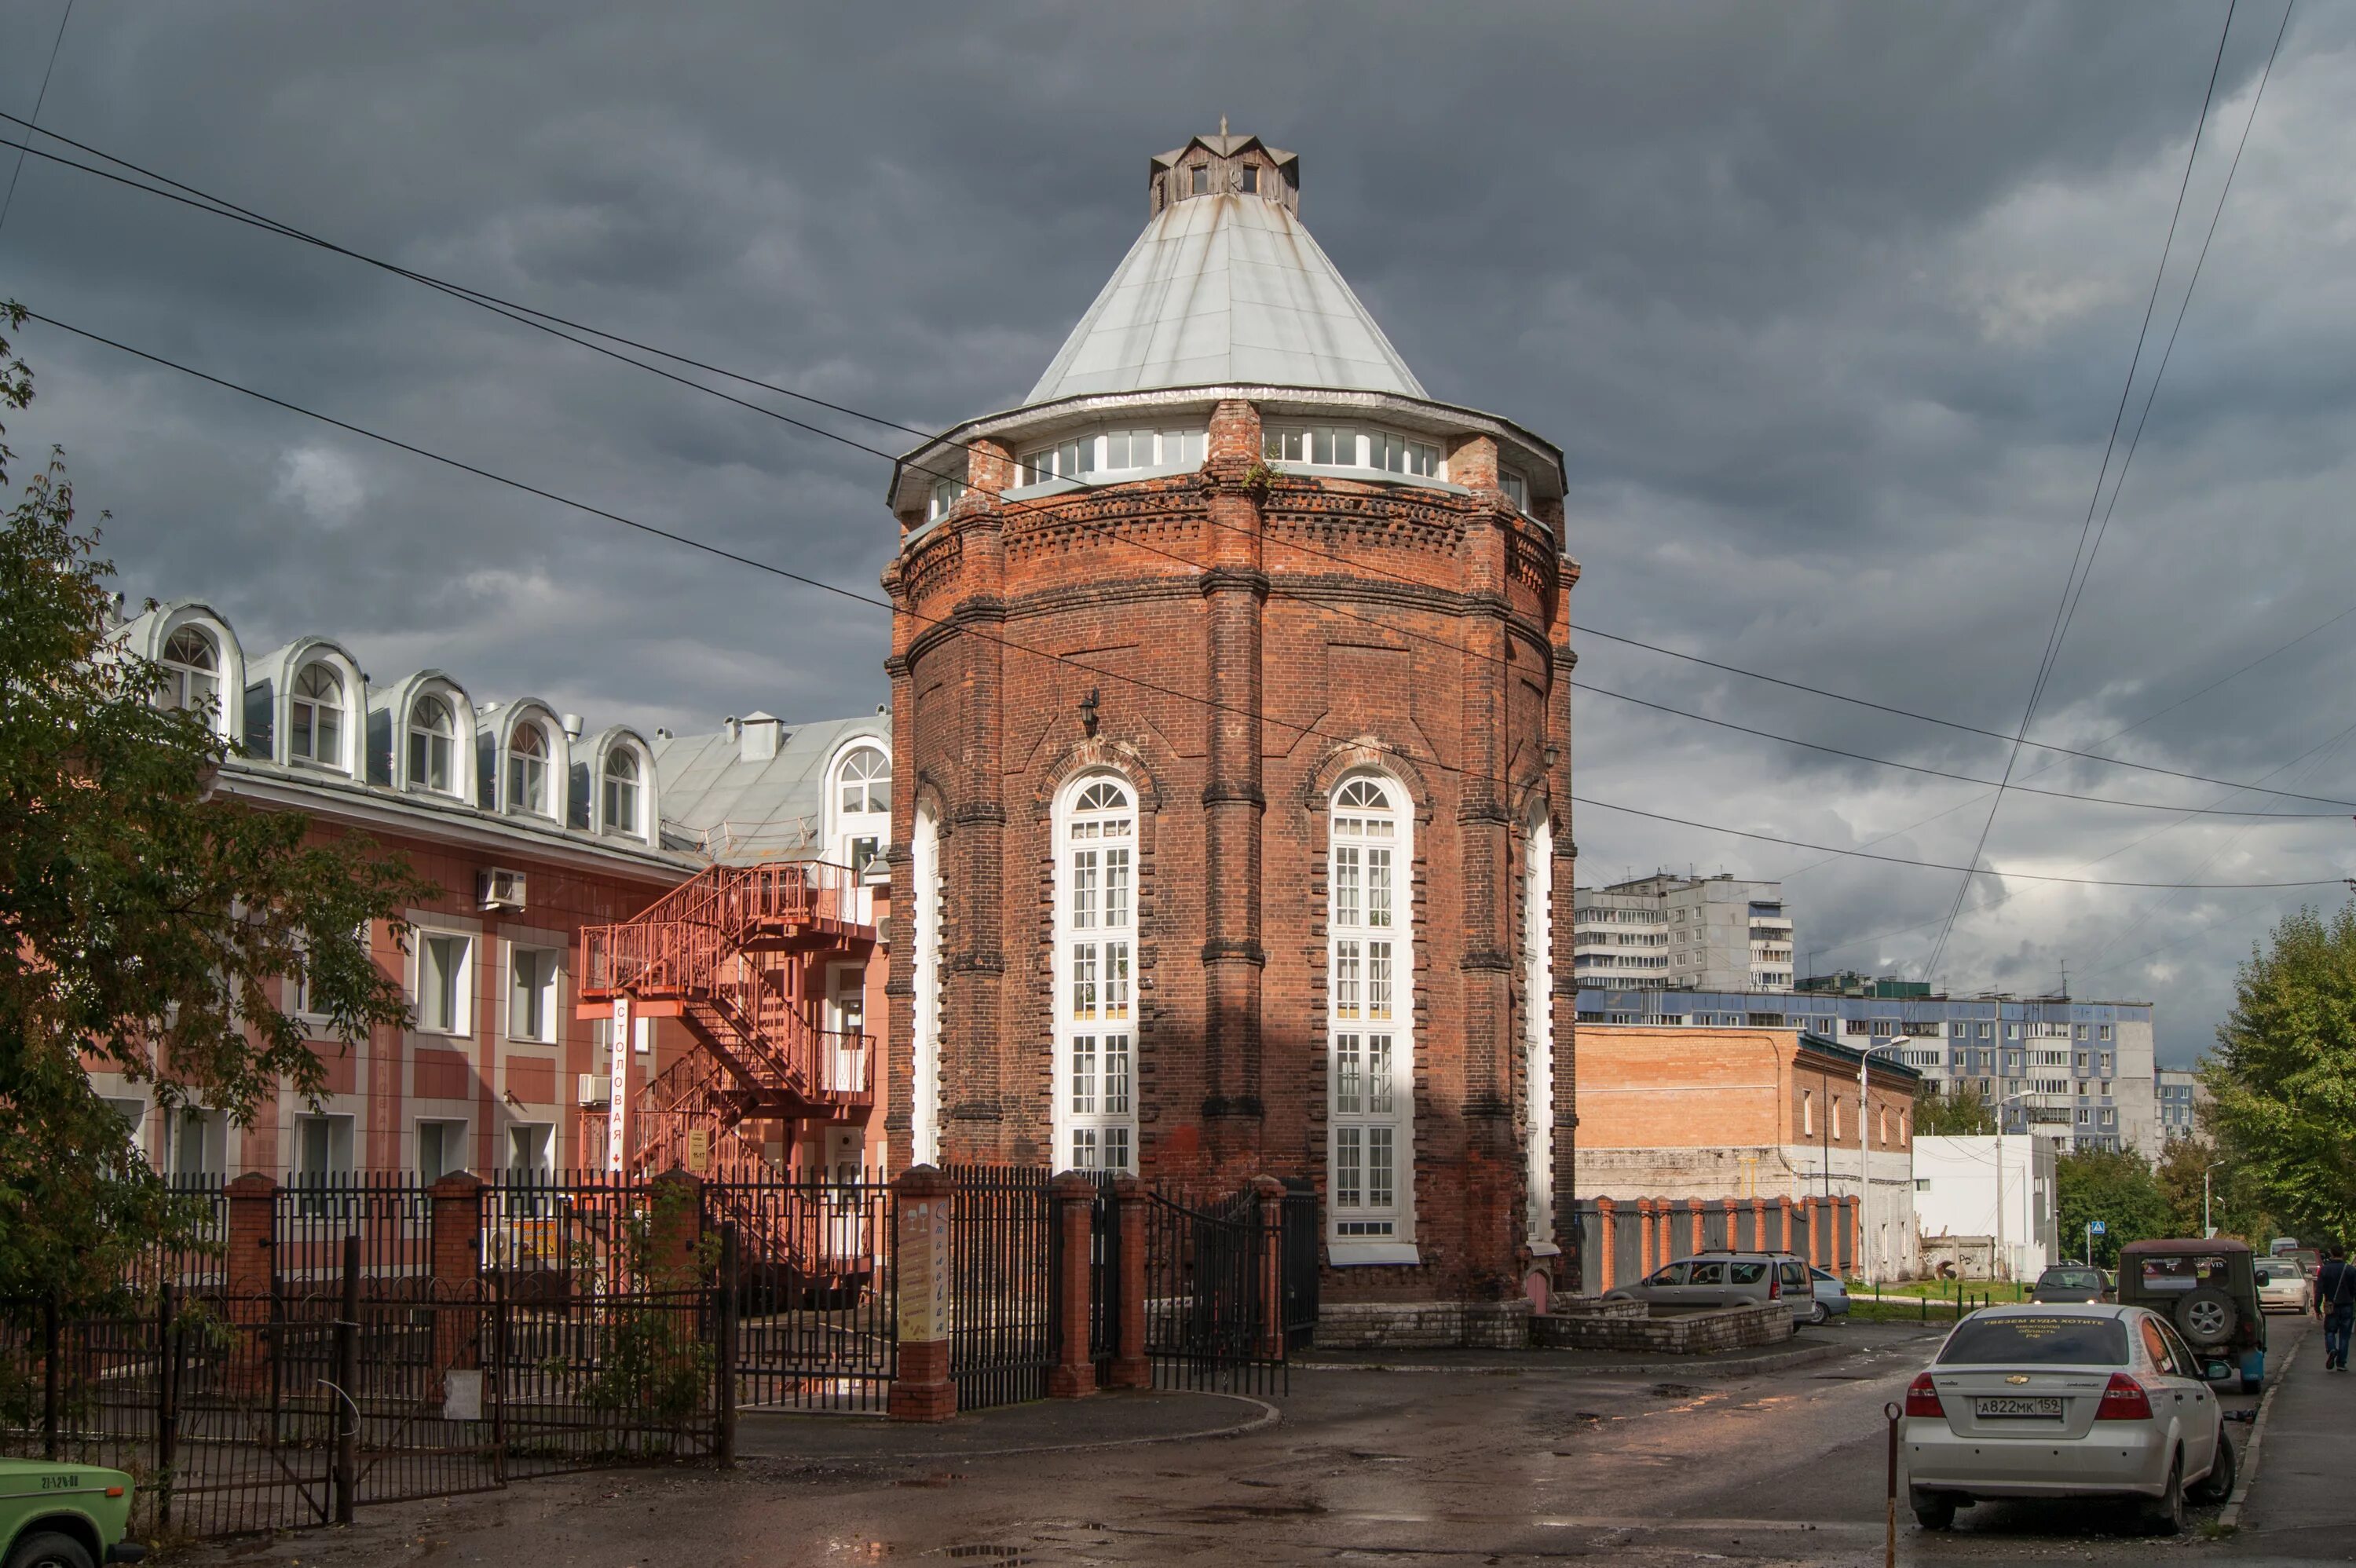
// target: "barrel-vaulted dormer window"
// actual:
[[318, 717], [192, 669]]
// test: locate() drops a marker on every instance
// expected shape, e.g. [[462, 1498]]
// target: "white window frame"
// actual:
[[1096, 1011], [418, 743], [191, 684], [632, 822], [543, 801], [1360, 1226], [452, 1133], [551, 989], [304, 710], [322, 1187], [1349, 446], [1538, 1030], [461, 1027], [925, 1041], [849, 832], [541, 1165]]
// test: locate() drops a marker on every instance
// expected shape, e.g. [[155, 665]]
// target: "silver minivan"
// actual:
[[1725, 1279]]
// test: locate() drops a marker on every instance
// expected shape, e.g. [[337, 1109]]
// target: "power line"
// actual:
[[2054, 638], [40, 98], [524, 315], [855, 596]]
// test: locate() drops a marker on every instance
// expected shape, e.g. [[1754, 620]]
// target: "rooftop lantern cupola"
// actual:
[[1223, 166]]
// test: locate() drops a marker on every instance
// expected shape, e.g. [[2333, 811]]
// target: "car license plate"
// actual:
[[2049, 1409]]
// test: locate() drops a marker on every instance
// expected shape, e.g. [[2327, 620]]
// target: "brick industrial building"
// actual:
[[1229, 700]]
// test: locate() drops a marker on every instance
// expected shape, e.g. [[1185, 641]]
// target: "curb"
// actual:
[[1268, 1415], [1693, 1368], [2230, 1516]]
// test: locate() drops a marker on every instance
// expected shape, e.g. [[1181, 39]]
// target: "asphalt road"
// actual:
[[1404, 1467]]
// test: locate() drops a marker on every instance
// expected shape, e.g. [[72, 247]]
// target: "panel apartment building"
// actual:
[[1702, 933], [2079, 1072]]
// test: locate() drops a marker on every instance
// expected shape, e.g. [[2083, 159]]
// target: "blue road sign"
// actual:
[[2095, 1228]]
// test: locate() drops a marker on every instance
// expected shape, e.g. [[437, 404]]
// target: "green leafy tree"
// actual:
[[2233, 1208], [2116, 1187], [2284, 1076], [1957, 1115], [145, 920]]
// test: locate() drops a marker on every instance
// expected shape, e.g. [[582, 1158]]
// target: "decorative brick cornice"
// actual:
[[975, 1111], [974, 812], [981, 609], [1485, 959], [897, 988], [896, 666], [977, 963], [1476, 811], [1225, 950]]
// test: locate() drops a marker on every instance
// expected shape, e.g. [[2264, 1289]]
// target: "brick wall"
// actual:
[[1310, 669]]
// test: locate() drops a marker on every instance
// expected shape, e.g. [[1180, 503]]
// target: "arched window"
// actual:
[[1096, 920], [1369, 963], [527, 769], [314, 716], [1537, 1025], [862, 806], [191, 669], [433, 745], [622, 790]]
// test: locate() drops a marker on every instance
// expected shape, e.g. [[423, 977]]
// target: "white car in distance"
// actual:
[[2065, 1401]]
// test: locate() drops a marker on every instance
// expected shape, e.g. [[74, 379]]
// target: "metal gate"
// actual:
[[1215, 1295], [1003, 1241], [812, 1276]]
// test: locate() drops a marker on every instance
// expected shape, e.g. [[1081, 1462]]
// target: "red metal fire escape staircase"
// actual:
[[722, 954]]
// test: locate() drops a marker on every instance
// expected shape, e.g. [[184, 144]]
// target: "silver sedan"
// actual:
[[2065, 1401]]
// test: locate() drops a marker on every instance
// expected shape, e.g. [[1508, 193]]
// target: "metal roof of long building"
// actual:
[[771, 807]]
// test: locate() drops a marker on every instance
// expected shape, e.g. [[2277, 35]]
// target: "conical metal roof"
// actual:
[[1223, 288]]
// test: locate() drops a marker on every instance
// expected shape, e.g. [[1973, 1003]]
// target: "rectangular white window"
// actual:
[[945, 495], [444, 980], [441, 1150], [323, 1160], [1084, 979], [1517, 488], [531, 993], [531, 1151]]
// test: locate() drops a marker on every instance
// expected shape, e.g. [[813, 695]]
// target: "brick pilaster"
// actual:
[[455, 1233], [1130, 1367], [1235, 593], [1074, 1372]]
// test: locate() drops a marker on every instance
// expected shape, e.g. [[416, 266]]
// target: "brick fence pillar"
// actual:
[[454, 1221], [675, 1230], [1599, 1280], [1784, 1225], [1643, 1237], [1270, 1193], [1130, 1367], [250, 1278], [1072, 1373], [922, 1205], [1700, 1237], [1759, 1224]]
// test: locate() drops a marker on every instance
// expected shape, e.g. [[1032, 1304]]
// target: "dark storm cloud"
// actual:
[[1828, 306]]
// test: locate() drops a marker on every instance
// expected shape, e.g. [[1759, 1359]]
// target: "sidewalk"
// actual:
[[2298, 1504], [1807, 1345], [1106, 1420]]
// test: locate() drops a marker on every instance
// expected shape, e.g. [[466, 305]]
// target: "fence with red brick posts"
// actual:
[[333, 1342]]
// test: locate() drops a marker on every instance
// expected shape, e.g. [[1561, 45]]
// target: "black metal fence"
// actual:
[[1001, 1298], [1217, 1314], [814, 1280]]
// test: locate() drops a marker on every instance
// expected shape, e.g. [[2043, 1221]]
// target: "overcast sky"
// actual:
[[1829, 308]]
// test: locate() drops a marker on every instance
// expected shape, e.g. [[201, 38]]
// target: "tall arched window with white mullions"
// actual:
[[925, 1044], [1370, 962], [1096, 924], [1537, 1025], [862, 806]]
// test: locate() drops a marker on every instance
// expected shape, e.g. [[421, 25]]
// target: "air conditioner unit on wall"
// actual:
[[595, 1089], [499, 889]]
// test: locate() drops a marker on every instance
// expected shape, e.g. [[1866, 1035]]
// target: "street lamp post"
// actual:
[[2207, 1230]]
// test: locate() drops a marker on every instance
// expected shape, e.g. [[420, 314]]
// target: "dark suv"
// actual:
[[2210, 1291]]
